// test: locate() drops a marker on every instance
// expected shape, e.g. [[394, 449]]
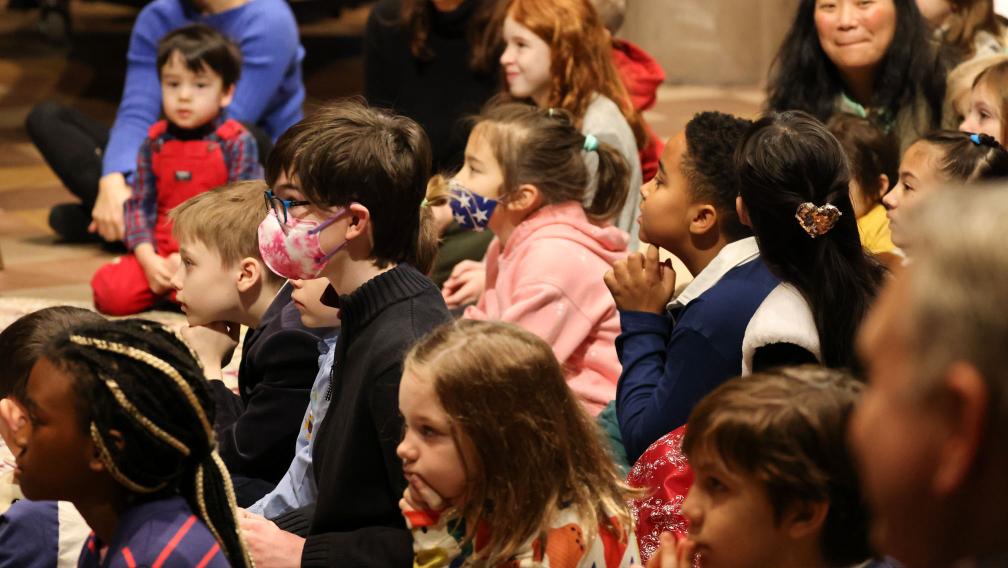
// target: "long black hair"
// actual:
[[802, 76], [138, 383], [788, 159]]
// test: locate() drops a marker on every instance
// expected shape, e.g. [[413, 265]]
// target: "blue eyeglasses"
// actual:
[[279, 206]]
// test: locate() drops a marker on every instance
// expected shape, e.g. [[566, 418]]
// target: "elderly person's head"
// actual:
[[931, 433]]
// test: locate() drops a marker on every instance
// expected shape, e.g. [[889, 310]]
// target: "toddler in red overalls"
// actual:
[[193, 150]]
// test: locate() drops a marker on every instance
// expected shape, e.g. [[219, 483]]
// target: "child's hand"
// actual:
[[465, 285], [641, 283], [671, 554], [268, 544], [213, 343]]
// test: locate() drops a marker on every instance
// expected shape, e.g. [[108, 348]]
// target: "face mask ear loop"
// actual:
[[321, 226]]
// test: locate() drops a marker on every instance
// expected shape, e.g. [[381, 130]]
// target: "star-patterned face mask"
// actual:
[[469, 209]]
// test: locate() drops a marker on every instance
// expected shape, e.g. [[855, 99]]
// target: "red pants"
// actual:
[[120, 288]]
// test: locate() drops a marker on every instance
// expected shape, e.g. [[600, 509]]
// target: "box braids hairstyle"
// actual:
[[143, 398]]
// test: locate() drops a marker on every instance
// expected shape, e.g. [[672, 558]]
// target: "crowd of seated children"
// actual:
[[778, 411]]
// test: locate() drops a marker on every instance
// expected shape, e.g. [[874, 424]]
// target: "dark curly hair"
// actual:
[[709, 165], [803, 77]]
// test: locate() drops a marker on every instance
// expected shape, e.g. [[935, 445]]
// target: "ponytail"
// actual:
[[794, 182], [613, 182]]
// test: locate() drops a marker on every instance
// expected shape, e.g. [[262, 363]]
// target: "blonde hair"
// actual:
[[961, 80], [956, 280], [968, 18], [536, 450], [226, 220]]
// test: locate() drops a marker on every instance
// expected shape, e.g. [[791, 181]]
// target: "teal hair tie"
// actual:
[[975, 138], [590, 143]]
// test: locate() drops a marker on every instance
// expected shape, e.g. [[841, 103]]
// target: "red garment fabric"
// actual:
[[641, 75], [665, 474]]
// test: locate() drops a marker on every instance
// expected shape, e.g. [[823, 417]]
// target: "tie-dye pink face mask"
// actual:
[[293, 250]]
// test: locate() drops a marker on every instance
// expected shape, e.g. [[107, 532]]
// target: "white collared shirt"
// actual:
[[733, 254]]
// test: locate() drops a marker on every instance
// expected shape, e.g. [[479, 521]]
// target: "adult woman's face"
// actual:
[[855, 34]]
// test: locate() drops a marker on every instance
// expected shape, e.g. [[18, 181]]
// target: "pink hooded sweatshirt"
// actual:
[[548, 280]]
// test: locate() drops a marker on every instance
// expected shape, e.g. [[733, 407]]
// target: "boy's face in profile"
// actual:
[[192, 99], [665, 201], [206, 289], [57, 459], [307, 296], [731, 518]]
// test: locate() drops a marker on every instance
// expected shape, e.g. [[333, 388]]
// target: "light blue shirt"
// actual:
[[297, 488]]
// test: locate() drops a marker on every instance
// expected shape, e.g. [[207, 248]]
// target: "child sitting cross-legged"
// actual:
[[775, 485], [194, 149], [121, 425], [222, 284], [504, 467]]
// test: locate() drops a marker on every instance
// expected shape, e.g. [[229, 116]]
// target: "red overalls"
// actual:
[[182, 169]]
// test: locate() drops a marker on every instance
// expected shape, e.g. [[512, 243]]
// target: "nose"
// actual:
[[968, 125], [891, 199], [508, 55], [646, 189], [846, 15], [405, 450], [176, 279], [691, 510]]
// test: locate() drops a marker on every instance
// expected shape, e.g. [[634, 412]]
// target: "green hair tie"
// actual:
[[590, 143]]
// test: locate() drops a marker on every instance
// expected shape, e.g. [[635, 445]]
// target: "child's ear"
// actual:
[[804, 518], [883, 186], [360, 221], [743, 212], [227, 96], [113, 441], [250, 272], [13, 420], [526, 198], [703, 218]]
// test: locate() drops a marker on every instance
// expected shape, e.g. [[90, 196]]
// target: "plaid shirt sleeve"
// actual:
[[242, 155], [140, 210]]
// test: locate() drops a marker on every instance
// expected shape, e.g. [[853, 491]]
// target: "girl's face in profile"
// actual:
[[919, 174], [984, 116], [57, 460], [430, 455]]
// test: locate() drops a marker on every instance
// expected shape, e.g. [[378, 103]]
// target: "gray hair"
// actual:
[[958, 288]]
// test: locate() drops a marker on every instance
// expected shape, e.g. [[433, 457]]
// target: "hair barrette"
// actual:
[[817, 220], [590, 143]]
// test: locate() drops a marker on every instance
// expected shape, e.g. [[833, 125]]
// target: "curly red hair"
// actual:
[[581, 53]]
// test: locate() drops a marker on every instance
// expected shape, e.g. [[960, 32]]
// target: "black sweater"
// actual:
[[356, 519], [440, 93]]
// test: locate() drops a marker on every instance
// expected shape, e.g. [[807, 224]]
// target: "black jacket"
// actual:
[[356, 519], [257, 429]]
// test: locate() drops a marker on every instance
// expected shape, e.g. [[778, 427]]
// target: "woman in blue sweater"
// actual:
[[96, 164]]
